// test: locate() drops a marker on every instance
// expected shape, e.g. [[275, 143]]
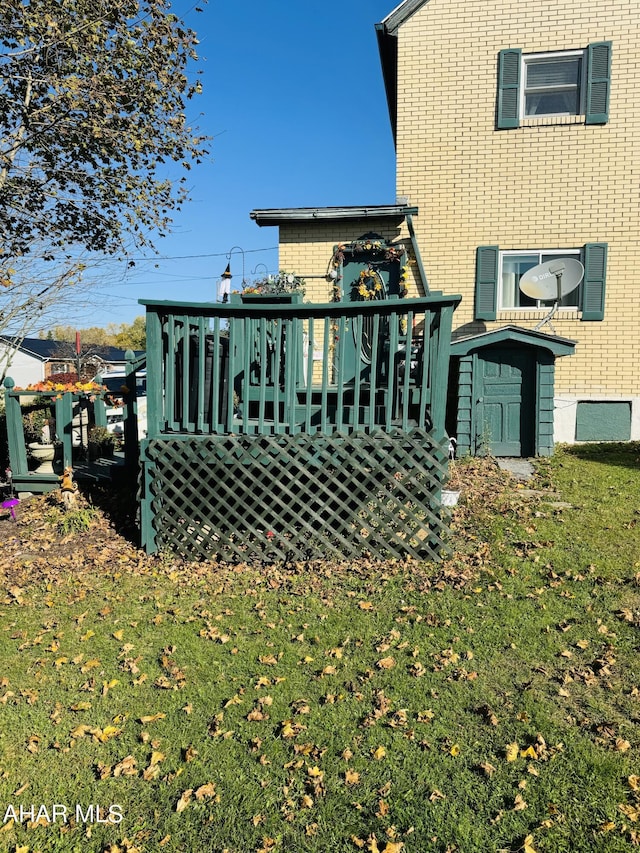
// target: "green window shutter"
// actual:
[[509, 88], [598, 82], [593, 286], [486, 297]]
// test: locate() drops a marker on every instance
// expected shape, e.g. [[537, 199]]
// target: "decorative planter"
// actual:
[[292, 297], [44, 454]]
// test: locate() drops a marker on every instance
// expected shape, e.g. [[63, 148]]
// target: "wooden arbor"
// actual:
[[262, 445]]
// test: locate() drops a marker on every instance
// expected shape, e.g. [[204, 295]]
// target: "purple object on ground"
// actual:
[[10, 504]]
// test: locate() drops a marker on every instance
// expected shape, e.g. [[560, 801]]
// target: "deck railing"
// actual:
[[68, 413], [270, 368]]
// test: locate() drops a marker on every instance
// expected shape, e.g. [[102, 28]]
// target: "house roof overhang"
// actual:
[[387, 33], [514, 334], [288, 215]]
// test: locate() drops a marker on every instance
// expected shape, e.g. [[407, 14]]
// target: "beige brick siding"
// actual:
[[307, 249], [552, 184]]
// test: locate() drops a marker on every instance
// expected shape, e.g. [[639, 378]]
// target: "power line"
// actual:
[[187, 257]]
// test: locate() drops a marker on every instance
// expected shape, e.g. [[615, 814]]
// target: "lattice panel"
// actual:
[[239, 498]]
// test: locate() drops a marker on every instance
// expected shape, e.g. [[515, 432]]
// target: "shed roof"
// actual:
[[514, 334], [283, 215]]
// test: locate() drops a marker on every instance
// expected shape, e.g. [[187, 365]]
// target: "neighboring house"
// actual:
[[517, 133], [35, 360]]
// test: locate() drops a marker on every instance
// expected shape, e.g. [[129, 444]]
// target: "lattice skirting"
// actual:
[[298, 497]]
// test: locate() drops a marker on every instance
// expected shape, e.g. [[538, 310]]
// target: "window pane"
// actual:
[[557, 72], [564, 103], [513, 268]]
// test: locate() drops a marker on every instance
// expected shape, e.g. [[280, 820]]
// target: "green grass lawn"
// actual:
[[488, 703]]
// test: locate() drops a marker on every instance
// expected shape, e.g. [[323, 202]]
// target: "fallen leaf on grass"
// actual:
[[290, 729], [383, 808], [80, 731], [511, 751], [351, 777], [206, 792], [425, 716], [379, 753], [105, 734], [126, 767], [527, 846], [185, 799], [151, 718], [386, 663], [631, 812], [519, 804], [33, 744]]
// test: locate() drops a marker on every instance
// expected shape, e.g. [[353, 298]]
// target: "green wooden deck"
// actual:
[[273, 425]]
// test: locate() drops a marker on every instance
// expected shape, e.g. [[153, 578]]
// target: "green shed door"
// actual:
[[505, 403]]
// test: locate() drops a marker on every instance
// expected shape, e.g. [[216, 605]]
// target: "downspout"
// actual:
[[417, 255]]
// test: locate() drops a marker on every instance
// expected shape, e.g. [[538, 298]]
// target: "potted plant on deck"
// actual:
[[101, 444], [39, 431], [283, 287]]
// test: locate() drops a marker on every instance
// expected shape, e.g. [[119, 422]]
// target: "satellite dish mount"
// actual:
[[552, 280]]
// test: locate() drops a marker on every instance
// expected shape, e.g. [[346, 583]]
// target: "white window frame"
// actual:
[[532, 59], [540, 304]]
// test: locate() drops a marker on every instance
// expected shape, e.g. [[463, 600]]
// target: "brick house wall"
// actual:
[[552, 183]]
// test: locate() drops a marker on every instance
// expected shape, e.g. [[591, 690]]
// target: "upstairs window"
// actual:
[[552, 84], [574, 82]]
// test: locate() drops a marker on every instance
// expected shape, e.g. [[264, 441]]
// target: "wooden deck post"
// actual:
[[15, 430], [64, 422]]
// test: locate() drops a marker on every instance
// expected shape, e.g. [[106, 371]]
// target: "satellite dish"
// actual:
[[552, 279]]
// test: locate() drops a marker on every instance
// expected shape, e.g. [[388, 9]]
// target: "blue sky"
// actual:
[[294, 100]]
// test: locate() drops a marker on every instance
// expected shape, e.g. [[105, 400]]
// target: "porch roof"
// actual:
[[283, 215], [514, 334]]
